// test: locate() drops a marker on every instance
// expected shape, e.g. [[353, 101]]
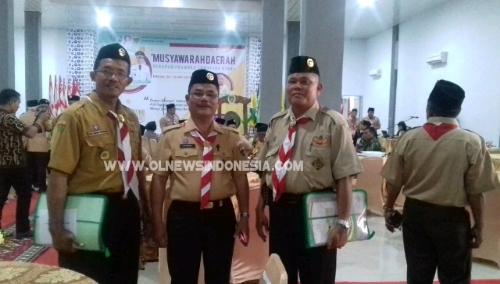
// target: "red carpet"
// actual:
[[496, 281], [23, 250]]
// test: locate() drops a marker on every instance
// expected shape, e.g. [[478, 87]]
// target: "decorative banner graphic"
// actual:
[[161, 68]]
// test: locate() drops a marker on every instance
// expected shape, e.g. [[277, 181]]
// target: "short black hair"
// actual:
[[366, 123], [354, 109], [437, 111], [8, 95], [373, 131]]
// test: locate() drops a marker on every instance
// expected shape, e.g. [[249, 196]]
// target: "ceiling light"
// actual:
[[365, 3], [172, 3], [103, 19], [230, 24]]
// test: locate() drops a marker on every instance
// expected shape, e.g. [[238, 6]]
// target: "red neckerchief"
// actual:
[[436, 131]]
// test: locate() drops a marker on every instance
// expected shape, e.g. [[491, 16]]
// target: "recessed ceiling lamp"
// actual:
[[172, 3], [230, 24], [365, 3], [103, 18]]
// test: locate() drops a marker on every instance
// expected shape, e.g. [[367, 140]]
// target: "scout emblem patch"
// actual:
[[121, 51], [210, 76], [61, 126], [317, 164], [319, 141], [310, 62]]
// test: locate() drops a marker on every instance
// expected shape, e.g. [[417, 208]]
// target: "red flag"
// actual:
[[75, 90], [64, 98], [51, 98], [60, 105], [68, 88]]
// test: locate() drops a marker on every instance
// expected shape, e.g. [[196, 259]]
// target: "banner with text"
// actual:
[[161, 68]]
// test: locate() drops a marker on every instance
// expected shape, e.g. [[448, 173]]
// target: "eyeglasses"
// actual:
[[108, 74], [201, 95]]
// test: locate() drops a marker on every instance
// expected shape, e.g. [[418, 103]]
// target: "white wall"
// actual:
[[54, 60], [376, 91], [353, 73], [466, 30]]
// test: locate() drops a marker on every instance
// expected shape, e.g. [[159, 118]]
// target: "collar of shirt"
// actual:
[[311, 112], [103, 108], [190, 126], [438, 120]]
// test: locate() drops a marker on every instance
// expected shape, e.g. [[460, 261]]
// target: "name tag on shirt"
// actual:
[[188, 146]]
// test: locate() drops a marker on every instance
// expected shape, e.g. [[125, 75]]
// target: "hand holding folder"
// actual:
[[65, 241], [83, 223]]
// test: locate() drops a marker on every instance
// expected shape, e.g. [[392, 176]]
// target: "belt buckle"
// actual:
[[209, 205]]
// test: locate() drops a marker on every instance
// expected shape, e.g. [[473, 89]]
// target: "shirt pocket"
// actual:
[[317, 160], [224, 161], [271, 157], [98, 148], [186, 161]]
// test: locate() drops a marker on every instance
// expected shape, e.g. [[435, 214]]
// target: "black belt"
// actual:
[[195, 206], [450, 209]]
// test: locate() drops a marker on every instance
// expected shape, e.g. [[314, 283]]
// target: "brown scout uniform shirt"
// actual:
[[444, 171], [168, 120], [177, 144], [324, 144], [83, 138], [375, 122]]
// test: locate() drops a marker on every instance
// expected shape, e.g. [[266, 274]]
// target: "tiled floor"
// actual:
[[379, 259]]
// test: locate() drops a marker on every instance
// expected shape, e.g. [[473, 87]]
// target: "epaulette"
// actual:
[[171, 127], [279, 114], [480, 137], [230, 129], [337, 117]]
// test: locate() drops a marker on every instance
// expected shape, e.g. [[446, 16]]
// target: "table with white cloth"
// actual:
[[13, 272]]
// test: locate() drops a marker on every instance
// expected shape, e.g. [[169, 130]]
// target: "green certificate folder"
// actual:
[[320, 212], [83, 216]]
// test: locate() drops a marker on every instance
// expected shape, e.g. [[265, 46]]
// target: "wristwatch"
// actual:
[[345, 223], [245, 215]]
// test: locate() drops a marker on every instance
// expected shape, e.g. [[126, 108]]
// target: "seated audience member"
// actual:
[[402, 128], [369, 141], [150, 131], [359, 132]]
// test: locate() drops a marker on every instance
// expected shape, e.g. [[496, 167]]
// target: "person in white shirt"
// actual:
[[140, 72]]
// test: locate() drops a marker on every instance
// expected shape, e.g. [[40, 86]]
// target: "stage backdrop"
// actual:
[[161, 68]]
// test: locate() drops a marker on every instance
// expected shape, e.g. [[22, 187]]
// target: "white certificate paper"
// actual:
[[42, 225]]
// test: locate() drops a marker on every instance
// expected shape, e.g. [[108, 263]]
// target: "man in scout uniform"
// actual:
[[353, 121], [260, 130], [86, 136], [375, 121], [38, 147], [13, 171], [321, 138], [201, 217], [441, 169], [170, 119]]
